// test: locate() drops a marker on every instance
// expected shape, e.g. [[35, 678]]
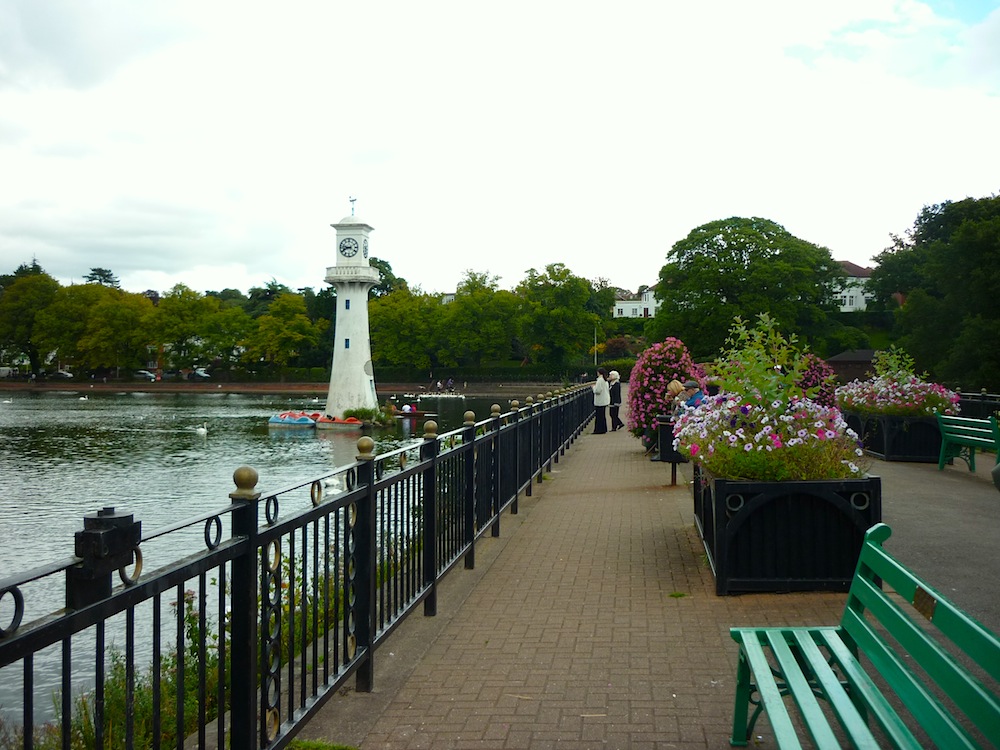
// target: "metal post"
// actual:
[[244, 611], [429, 452], [367, 561], [469, 442]]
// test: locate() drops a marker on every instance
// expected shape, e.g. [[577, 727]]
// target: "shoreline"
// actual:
[[517, 390]]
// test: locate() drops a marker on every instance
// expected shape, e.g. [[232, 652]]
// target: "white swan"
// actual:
[[84, 398], [8, 401], [203, 429]]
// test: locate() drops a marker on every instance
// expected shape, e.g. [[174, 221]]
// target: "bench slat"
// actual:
[[843, 707], [882, 643], [887, 718], [819, 728], [967, 692], [980, 644], [939, 724], [769, 691]]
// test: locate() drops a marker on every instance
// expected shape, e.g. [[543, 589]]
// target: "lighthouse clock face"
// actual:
[[349, 247]]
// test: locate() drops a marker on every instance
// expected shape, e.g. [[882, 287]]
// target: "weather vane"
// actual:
[[352, 199]]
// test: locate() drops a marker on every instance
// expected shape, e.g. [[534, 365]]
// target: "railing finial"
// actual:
[[365, 448], [245, 478]]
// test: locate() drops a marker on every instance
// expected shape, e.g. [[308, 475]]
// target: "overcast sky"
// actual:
[[213, 143]]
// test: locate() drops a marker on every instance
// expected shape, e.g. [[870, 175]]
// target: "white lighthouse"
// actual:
[[352, 378]]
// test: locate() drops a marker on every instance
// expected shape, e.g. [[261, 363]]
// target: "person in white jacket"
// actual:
[[602, 397]]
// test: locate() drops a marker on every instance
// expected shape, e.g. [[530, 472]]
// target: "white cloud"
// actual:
[[213, 144]]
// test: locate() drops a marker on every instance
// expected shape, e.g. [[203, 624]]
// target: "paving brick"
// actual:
[[566, 634]]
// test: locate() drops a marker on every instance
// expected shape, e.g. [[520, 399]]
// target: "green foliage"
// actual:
[[741, 267], [556, 326], [946, 275], [102, 276], [892, 361], [20, 305], [282, 331], [762, 363], [406, 329]]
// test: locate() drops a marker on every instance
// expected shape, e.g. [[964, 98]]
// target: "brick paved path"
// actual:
[[592, 621]]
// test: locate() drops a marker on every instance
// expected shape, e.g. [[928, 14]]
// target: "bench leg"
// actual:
[[741, 707]]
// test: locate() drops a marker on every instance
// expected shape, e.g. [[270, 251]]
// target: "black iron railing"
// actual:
[[242, 636]]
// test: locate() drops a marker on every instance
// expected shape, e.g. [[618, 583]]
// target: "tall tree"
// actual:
[[63, 323], [950, 318], [102, 276], [20, 305], [481, 321], [388, 281], [282, 331], [181, 316], [406, 329], [119, 333], [742, 267], [556, 324]]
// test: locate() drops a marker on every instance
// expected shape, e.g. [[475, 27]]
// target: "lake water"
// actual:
[[63, 456]]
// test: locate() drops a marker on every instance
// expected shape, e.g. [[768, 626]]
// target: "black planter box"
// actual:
[[784, 536], [913, 439]]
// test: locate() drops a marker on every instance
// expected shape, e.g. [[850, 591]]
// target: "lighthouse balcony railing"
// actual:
[[234, 627]]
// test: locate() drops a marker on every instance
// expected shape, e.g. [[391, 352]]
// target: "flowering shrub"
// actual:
[[762, 426], [895, 390], [647, 386]]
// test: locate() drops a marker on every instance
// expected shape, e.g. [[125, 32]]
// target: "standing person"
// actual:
[[602, 397], [615, 388]]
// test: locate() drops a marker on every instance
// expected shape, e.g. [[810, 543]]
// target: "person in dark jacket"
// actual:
[[614, 383]]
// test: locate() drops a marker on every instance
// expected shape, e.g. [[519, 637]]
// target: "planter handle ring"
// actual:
[[860, 500], [735, 503]]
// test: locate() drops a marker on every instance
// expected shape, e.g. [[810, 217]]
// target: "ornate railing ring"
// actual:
[[15, 621]]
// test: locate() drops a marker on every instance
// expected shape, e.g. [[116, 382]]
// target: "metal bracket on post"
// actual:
[[109, 542]]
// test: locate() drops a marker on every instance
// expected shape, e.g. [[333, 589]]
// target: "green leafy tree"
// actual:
[[739, 268], [181, 317], [282, 331], [557, 327], [119, 333], [406, 329], [62, 324], [25, 269], [225, 333], [20, 304], [388, 281], [602, 298], [480, 322], [950, 317], [259, 299]]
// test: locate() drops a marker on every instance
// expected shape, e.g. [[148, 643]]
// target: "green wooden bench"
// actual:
[[961, 437], [883, 678]]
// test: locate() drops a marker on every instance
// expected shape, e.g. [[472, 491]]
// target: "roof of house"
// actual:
[[853, 355], [853, 269]]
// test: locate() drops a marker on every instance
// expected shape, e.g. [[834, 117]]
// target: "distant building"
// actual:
[[644, 306], [854, 296]]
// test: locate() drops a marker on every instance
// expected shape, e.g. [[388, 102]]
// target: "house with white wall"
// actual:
[[854, 294], [642, 306]]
